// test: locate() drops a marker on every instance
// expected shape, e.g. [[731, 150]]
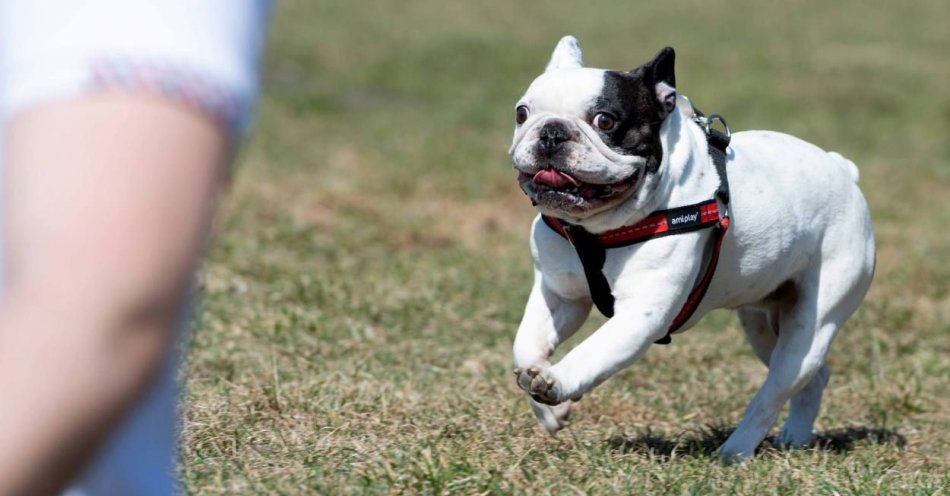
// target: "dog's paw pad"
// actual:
[[538, 384]]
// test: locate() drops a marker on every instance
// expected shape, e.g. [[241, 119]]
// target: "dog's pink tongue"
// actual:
[[554, 178]]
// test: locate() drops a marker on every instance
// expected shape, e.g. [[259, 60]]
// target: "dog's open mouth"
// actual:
[[558, 188]]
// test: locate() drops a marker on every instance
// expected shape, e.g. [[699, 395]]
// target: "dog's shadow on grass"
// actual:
[[705, 441]]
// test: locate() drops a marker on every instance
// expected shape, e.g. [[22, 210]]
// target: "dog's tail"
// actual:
[[847, 165]]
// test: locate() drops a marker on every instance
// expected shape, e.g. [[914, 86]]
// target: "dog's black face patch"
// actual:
[[631, 97], [632, 101]]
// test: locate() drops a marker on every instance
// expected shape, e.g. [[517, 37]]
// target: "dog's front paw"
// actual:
[[540, 384]]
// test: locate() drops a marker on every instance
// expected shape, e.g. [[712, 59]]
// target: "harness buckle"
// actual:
[[723, 211]]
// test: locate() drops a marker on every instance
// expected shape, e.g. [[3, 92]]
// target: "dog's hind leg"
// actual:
[[761, 329], [803, 410], [824, 300], [799, 352]]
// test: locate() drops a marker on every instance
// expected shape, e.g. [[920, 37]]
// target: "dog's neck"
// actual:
[[686, 175]]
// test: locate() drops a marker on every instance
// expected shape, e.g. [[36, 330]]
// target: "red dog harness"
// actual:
[[592, 248]]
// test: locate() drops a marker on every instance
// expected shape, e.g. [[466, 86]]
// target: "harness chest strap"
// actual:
[[592, 248]]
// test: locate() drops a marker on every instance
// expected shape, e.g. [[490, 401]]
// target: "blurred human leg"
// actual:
[[118, 118], [102, 232]]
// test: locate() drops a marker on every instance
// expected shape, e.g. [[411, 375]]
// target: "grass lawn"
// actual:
[[371, 262]]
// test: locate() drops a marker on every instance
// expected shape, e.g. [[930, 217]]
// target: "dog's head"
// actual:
[[587, 139]]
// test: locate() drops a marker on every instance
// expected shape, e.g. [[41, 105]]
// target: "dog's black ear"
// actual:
[[662, 66], [661, 74]]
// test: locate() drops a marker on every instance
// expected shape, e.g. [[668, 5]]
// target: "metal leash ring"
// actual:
[[716, 117]]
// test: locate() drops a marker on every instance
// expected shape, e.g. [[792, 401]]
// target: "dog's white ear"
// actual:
[[664, 78], [567, 55]]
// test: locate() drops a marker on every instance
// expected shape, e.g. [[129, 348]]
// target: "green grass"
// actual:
[[371, 260]]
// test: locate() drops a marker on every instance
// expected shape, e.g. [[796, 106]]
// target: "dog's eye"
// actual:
[[521, 114], [604, 121]]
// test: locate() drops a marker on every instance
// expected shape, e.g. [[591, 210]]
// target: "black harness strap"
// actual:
[[718, 143], [592, 255], [592, 248]]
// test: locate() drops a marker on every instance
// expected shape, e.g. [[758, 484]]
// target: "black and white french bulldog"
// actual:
[[603, 149]]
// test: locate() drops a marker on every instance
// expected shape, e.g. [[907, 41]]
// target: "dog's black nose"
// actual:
[[550, 138]]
